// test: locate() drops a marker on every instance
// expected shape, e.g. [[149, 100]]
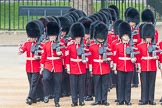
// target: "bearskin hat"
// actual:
[[113, 14], [70, 19], [77, 30], [72, 9], [96, 17], [148, 31], [33, 30], [52, 28], [140, 30], [50, 18], [83, 19], [124, 28], [148, 16], [101, 31], [133, 15], [65, 24], [76, 16], [86, 22], [92, 18], [92, 28], [116, 10], [73, 19], [44, 21], [57, 20], [116, 26], [80, 13], [99, 16], [107, 13], [105, 19], [106, 16], [41, 26], [125, 12]]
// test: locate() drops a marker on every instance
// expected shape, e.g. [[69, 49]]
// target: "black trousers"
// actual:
[[111, 80], [33, 83], [116, 79], [124, 86], [135, 77], [40, 93], [88, 84], [65, 83], [57, 78], [113, 77], [100, 87], [77, 83], [148, 86]]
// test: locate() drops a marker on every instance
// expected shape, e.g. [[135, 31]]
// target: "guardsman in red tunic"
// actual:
[[112, 46], [160, 62], [51, 62], [32, 61], [76, 64], [111, 36], [116, 9], [88, 80], [146, 63], [99, 64], [123, 64], [133, 18], [65, 26]]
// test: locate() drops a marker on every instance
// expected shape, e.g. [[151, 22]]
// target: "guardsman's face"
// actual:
[[125, 37], [52, 38], [87, 36], [132, 24], [78, 39], [33, 39], [63, 34], [100, 40], [148, 40]]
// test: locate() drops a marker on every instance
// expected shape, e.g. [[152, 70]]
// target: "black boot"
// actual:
[[46, 99], [74, 104], [29, 101], [57, 104]]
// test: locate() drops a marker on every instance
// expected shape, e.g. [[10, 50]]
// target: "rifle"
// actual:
[[103, 51], [81, 52], [130, 49], [56, 46], [152, 49], [35, 48]]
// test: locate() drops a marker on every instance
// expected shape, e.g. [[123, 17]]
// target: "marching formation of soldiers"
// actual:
[[85, 56]]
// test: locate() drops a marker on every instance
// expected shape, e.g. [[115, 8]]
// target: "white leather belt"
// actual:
[[98, 60], [147, 58], [53, 58], [75, 60], [30, 58], [124, 58]]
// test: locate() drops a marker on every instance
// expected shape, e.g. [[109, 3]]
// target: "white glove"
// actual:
[[41, 69], [138, 68], [59, 53], [133, 60], [37, 57], [115, 72], [114, 67], [111, 64], [68, 68], [155, 57]]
